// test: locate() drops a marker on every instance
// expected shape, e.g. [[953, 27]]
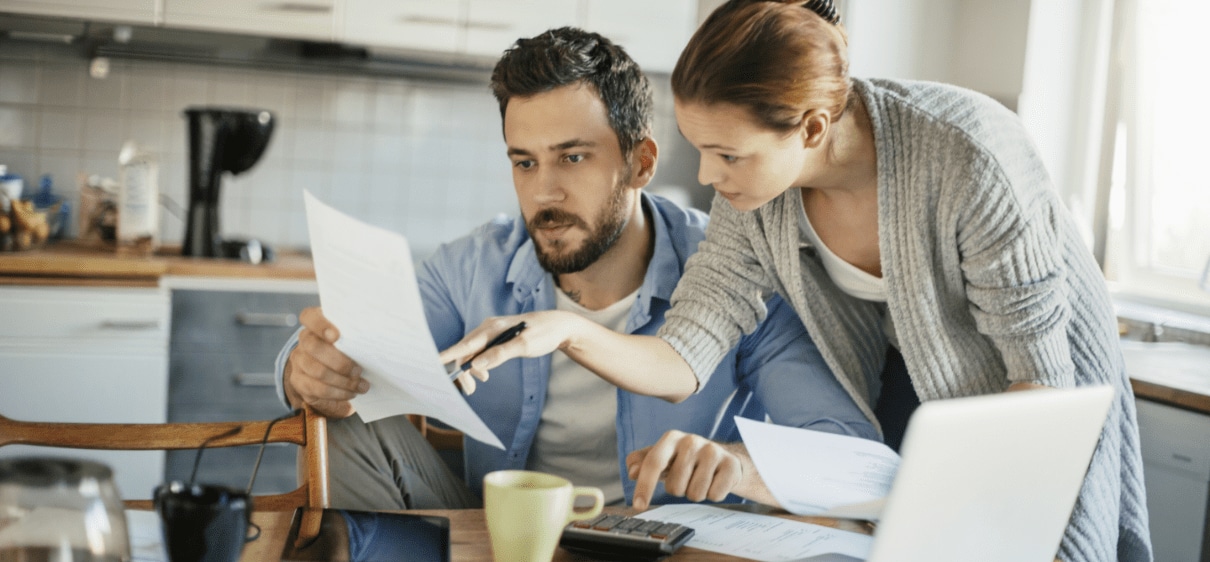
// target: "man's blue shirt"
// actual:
[[775, 371]]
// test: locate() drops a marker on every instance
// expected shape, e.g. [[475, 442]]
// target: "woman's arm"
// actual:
[[644, 365], [1012, 263]]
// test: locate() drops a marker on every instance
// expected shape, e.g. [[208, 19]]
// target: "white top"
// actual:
[[853, 280], [577, 437]]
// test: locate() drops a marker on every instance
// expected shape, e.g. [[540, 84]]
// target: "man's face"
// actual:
[[574, 187]]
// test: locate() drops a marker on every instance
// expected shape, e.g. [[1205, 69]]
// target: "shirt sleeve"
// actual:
[[437, 296], [720, 297], [788, 375], [279, 367], [1015, 277]]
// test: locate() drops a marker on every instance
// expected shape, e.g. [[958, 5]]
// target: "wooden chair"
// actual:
[[440, 438], [305, 429]]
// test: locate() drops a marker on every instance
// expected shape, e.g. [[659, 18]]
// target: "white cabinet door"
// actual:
[[421, 25], [304, 19], [494, 25], [145, 12], [87, 355], [652, 32]]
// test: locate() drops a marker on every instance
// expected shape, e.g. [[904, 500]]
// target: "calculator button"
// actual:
[[665, 531], [587, 523], [607, 523], [628, 524], [649, 526]]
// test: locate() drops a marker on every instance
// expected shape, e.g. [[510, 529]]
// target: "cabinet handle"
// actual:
[[267, 319], [297, 7], [256, 379], [130, 324], [1182, 458]]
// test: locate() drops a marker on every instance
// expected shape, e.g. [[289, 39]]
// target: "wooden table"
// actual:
[[469, 540]]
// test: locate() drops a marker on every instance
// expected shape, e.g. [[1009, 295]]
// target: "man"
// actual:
[[577, 122]]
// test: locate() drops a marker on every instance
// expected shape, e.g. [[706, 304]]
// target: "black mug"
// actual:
[[204, 523]]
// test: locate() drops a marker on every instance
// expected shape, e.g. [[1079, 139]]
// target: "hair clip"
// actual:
[[826, 9]]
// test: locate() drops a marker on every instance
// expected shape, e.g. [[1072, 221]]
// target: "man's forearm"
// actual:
[[751, 486]]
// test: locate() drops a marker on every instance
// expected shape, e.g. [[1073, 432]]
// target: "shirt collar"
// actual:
[[526, 276]]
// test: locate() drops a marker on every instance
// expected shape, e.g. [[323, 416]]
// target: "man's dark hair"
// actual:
[[567, 55]]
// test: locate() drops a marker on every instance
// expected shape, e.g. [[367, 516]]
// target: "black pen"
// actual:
[[500, 338]]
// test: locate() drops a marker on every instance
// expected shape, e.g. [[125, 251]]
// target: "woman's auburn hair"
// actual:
[[775, 58]]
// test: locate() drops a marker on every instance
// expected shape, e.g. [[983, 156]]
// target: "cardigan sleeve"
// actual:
[[1014, 272], [721, 295]]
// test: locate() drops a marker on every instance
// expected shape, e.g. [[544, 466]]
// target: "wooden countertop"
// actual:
[[90, 263]]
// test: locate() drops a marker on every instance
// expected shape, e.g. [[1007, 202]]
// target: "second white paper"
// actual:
[[817, 473], [762, 537], [368, 289]]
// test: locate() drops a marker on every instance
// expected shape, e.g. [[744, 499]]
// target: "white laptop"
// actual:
[[990, 478]]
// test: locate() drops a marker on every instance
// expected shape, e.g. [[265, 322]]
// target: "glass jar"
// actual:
[[60, 510]]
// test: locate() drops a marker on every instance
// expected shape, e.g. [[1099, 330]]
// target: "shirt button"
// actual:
[[531, 397]]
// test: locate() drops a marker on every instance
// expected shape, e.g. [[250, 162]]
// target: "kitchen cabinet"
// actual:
[[223, 347], [653, 33], [1176, 468], [300, 19], [494, 25], [420, 25], [145, 12], [72, 354]]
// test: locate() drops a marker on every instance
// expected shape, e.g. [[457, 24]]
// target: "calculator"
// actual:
[[621, 537]]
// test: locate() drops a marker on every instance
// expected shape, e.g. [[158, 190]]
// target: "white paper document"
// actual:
[[817, 473], [368, 289], [762, 537]]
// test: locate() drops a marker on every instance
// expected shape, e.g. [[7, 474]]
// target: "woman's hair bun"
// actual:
[[825, 8]]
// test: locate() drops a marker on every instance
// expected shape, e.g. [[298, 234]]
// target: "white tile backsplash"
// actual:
[[62, 129], [104, 130], [18, 82], [109, 92], [419, 157], [63, 85], [18, 127]]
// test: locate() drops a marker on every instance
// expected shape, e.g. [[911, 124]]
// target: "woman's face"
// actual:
[[746, 163]]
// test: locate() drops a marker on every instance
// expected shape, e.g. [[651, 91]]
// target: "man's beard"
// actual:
[[610, 223]]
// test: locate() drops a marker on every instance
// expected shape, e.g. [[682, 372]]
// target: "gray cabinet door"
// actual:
[[222, 350], [1176, 469]]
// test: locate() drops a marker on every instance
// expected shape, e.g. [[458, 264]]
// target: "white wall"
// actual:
[[910, 39], [977, 44]]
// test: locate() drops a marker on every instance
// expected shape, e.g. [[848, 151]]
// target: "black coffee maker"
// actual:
[[221, 140]]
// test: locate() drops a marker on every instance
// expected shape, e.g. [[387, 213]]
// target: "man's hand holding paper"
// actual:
[[317, 373], [367, 286]]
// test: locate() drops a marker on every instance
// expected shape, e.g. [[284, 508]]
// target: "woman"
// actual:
[[895, 217]]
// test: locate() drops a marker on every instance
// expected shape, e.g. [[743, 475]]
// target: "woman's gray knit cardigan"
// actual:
[[987, 280]]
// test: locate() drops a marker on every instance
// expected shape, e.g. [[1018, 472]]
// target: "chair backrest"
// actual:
[[305, 429], [439, 437]]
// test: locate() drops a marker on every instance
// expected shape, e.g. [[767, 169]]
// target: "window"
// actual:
[[1159, 212]]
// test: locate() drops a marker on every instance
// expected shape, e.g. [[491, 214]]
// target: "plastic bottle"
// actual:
[[57, 210], [138, 200], [11, 186]]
